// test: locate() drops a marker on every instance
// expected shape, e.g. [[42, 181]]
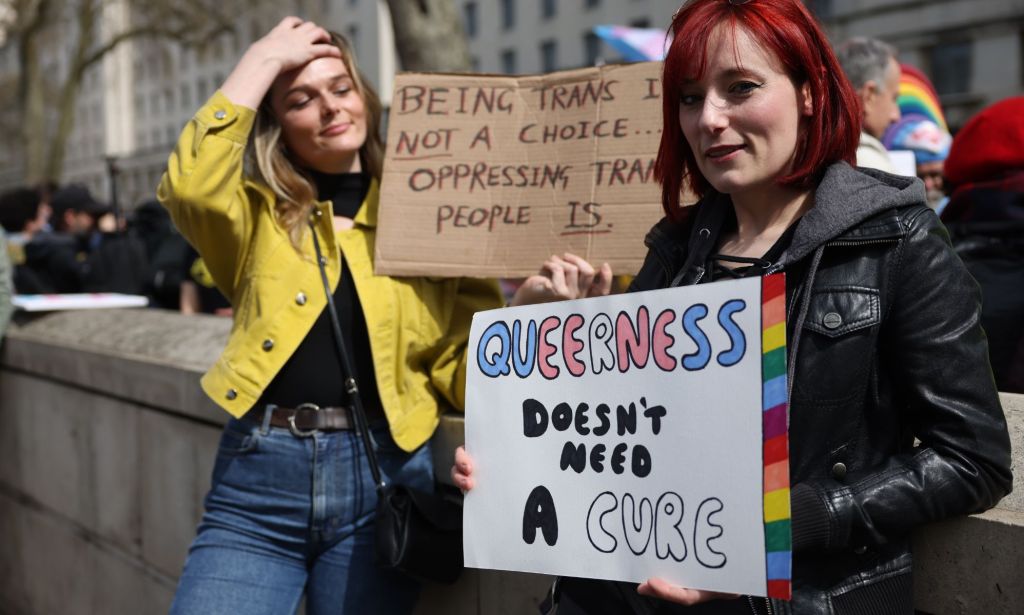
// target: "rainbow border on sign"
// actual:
[[778, 541]]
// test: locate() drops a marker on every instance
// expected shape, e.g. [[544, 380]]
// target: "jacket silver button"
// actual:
[[323, 260], [832, 320], [268, 344], [839, 470], [300, 299], [220, 114], [231, 394], [318, 213]]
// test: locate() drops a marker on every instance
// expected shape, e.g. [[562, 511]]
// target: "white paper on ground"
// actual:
[[78, 301]]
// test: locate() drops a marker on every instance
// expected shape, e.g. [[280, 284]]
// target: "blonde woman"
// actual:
[[287, 148]]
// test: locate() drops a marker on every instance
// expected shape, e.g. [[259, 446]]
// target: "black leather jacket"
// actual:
[[885, 346]]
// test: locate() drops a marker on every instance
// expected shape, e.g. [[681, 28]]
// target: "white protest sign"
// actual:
[[634, 436]]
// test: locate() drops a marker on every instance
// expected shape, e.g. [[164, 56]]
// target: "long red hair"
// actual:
[[786, 29]]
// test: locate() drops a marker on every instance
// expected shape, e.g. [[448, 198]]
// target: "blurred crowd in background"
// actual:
[[64, 240]]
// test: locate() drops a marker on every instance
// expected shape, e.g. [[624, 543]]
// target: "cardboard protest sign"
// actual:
[[490, 175], [634, 436]]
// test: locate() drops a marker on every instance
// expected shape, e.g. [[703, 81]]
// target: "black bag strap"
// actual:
[[351, 387]]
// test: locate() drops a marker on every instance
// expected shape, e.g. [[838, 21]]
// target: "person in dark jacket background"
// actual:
[[110, 259], [985, 217], [43, 262], [884, 340]]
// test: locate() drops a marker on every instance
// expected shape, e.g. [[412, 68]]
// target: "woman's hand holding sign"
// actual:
[[562, 278], [462, 470], [659, 588]]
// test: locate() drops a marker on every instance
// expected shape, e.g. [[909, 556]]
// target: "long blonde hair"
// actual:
[[271, 163]]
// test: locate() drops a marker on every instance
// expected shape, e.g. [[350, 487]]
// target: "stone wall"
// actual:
[[106, 445]]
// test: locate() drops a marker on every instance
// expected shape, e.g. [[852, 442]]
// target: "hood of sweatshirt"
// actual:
[[846, 197]]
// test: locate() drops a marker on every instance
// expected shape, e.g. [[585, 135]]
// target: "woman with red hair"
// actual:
[[883, 335]]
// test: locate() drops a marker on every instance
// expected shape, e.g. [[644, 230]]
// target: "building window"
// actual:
[[548, 8], [469, 18], [591, 3], [508, 61], [352, 34], [186, 96], [474, 63], [641, 22], [591, 48], [951, 68], [549, 56], [508, 14]]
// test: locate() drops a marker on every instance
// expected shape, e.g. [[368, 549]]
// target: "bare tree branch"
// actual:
[[46, 99]]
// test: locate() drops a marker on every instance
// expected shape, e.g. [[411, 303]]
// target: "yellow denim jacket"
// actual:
[[418, 327]]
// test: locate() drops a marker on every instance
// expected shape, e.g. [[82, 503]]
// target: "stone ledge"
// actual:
[[152, 357], [970, 565]]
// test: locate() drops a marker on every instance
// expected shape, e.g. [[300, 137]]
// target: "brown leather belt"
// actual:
[[309, 418]]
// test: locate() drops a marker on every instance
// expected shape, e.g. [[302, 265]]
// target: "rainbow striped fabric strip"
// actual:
[[775, 424], [917, 96]]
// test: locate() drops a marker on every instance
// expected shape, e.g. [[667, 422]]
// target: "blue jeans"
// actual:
[[288, 515]]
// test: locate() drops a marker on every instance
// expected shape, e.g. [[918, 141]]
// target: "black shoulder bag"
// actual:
[[418, 533]]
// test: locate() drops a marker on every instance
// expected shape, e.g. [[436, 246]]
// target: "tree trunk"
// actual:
[[31, 96], [87, 14], [429, 35]]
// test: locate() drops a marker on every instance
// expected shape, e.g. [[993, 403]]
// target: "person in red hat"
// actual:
[[985, 217]]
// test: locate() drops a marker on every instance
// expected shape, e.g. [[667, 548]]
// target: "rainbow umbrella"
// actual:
[[918, 97], [635, 44], [922, 126]]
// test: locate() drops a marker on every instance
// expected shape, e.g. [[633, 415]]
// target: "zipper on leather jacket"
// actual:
[[700, 275], [860, 242]]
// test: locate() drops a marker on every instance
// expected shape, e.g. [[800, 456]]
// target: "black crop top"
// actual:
[[313, 373]]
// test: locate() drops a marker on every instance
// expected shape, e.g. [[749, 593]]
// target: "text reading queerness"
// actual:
[[607, 343]]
